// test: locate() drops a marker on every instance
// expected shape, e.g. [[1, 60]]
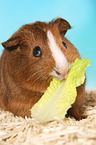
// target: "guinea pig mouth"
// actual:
[[62, 73], [57, 75]]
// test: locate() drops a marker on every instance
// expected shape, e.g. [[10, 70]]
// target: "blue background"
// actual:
[[80, 13]]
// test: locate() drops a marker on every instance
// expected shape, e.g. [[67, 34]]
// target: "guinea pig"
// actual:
[[34, 55]]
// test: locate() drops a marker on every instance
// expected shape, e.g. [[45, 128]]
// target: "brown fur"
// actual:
[[24, 78]]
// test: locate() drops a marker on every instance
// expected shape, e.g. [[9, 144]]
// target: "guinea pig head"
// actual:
[[38, 52], [63, 52]]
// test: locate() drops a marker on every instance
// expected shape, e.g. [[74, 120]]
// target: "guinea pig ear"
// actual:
[[63, 25], [12, 43]]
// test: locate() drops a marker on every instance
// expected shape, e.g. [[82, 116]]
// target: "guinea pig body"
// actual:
[[35, 54]]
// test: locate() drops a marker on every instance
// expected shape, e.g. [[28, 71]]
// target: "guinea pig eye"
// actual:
[[64, 44], [37, 52]]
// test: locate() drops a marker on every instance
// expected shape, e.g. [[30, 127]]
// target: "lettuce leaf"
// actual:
[[60, 95]]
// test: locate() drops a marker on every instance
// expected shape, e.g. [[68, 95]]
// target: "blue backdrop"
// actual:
[[80, 13]]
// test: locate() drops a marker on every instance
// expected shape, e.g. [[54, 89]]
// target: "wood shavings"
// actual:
[[17, 130]]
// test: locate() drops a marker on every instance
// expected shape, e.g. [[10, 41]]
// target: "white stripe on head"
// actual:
[[59, 57]]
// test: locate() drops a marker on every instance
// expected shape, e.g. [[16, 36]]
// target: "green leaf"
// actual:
[[60, 95]]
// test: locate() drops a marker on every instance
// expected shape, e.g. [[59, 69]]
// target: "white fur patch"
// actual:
[[61, 62]]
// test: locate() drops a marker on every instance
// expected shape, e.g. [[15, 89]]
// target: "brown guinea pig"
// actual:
[[35, 54]]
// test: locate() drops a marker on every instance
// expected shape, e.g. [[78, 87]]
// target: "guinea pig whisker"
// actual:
[[39, 78], [34, 74], [90, 49]]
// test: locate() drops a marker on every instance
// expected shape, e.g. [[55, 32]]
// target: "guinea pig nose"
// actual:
[[63, 73], [58, 73]]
